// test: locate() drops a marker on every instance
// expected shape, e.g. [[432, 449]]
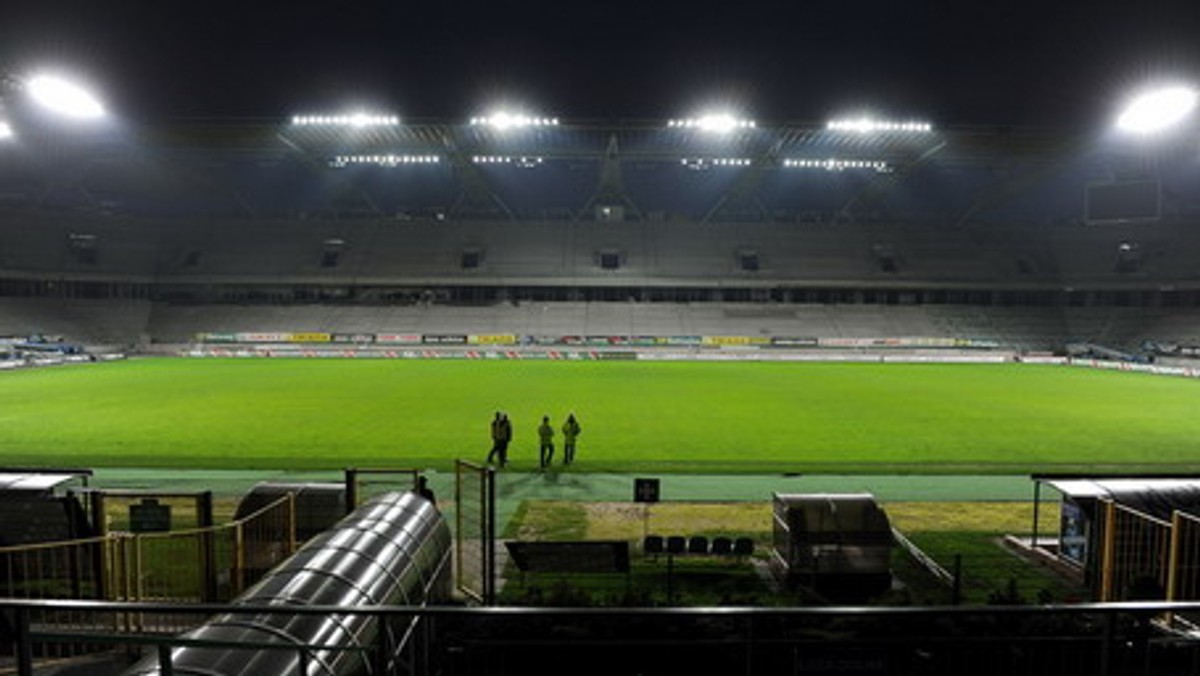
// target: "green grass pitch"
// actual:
[[636, 416]]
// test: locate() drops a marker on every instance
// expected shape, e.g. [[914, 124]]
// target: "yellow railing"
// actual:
[[1138, 554], [201, 564]]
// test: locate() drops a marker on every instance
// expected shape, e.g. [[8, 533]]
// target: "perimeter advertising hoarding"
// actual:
[[444, 339], [492, 339], [791, 341], [736, 341], [264, 337], [216, 338], [310, 337], [398, 338]]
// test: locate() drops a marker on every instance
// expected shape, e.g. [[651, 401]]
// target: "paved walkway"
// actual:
[[613, 487]]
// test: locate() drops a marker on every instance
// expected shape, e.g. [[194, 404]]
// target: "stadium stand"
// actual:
[[592, 229]]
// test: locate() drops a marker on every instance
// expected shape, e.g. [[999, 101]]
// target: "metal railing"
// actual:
[[200, 564], [1094, 639]]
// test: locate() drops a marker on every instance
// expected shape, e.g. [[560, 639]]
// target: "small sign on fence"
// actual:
[[149, 517]]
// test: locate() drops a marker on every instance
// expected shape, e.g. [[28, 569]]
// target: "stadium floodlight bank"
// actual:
[[341, 161], [64, 97], [506, 120], [1158, 109], [835, 164], [866, 125], [349, 120], [719, 123]]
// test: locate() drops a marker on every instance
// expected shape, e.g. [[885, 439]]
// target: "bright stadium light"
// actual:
[[6, 131], [868, 125], [523, 161], [702, 163], [63, 97], [503, 120], [1158, 109], [357, 120], [718, 123], [388, 160], [837, 164]]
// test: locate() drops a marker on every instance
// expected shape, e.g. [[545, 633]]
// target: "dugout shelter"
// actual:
[[1130, 537], [836, 544]]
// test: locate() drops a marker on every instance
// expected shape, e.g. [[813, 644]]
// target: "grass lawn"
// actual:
[[706, 417], [967, 531]]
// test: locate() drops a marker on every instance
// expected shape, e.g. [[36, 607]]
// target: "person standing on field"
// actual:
[[505, 439], [546, 438], [499, 450], [570, 430]]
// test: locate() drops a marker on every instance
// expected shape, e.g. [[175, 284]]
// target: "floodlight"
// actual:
[[867, 125], [357, 119], [64, 97], [1158, 109], [502, 120], [702, 163], [838, 164], [6, 132], [388, 160], [719, 123], [523, 161]]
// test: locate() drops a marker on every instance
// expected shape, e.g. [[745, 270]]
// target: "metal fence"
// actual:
[[1085, 640], [475, 531], [200, 564], [1183, 583], [1135, 554]]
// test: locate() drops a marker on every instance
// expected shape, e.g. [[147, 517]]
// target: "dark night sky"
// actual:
[[1055, 62]]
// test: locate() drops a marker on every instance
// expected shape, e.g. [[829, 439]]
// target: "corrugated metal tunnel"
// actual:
[[393, 550]]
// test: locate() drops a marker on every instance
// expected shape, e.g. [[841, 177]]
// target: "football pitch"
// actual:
[[693, 417]]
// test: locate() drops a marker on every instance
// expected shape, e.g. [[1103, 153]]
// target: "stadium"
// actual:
[[836, 379]]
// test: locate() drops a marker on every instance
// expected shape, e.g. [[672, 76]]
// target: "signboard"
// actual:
[[444, 339], [149, 517], [1073, 529], [645, 490]]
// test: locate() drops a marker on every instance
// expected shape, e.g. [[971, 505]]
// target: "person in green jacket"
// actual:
[[570, 430], [546, 436]]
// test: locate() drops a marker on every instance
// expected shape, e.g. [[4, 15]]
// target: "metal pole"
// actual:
[[208, 551], [1173, 557], [24, 643], [1108, 554], [1106, 651], [956, 589], [165, 665], [489, 536], [238, 574], [351, 489], [291, 527], [459, 534], [1037, 495]]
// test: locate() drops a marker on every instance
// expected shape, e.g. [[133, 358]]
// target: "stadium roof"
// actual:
[[638, 170]]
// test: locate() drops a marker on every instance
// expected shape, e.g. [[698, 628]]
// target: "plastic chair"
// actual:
[[743, 547], [676, 544], [722, 546], [653, 544], [697, 544]]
